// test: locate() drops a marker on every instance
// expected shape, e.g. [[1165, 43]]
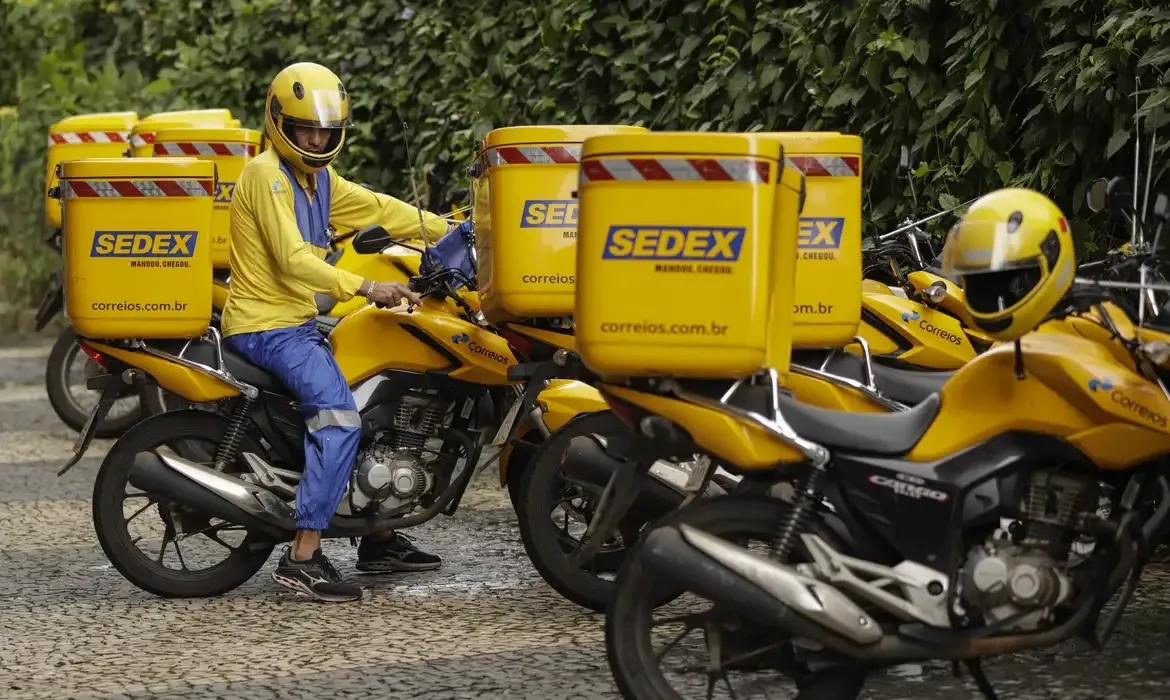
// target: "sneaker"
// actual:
[[395, 554], [315, 578]]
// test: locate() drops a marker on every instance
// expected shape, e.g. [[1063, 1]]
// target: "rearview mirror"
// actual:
[[1162, 207], [1097, 195], [1120, 194], [370, 240], [904, 162], [1116, 194]]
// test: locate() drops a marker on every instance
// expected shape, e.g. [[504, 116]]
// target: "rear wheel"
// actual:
[[754, 661], [554, 513], [162, 547], [65, 373]]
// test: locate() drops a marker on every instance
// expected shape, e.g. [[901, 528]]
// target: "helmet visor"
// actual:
[[325, 110], [977, 245]]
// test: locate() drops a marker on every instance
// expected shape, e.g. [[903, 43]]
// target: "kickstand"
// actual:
[[980, 678]]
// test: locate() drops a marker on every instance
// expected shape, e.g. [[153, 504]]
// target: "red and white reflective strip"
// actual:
[[204, 149], [140, 140], [88, 137], [529, 155], [716, 169], [136, 188], [825, 166]]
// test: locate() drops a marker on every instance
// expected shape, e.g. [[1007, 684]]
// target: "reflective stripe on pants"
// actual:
[[299, 357]]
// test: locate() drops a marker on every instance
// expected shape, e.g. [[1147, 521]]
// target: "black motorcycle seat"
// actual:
[[203, 352], [874, 433], [906, 386], [893, 433]]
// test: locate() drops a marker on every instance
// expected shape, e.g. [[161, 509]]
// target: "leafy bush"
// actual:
[[988, 92]]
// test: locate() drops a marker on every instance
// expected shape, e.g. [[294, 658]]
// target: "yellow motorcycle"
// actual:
[[905, 345], [428, 409], [944, 532]]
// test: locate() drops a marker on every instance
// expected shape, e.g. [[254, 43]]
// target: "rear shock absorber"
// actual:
[[226, 453], [803, 507]]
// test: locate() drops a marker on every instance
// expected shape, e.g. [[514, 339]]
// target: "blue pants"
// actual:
[[299, 357]]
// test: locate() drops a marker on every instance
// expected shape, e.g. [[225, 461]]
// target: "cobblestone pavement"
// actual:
[[484, 626]]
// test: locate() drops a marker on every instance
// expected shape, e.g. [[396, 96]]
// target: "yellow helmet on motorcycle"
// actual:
[[1014, 256], [304, 99]]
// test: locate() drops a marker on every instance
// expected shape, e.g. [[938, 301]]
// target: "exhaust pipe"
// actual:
[[587, 462], [717, 563], [204, 489], [806, 608]]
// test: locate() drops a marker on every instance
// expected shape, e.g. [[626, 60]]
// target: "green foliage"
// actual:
[[988, 93]]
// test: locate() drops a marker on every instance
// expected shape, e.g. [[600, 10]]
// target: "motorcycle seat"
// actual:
[[893, 433], [910, 387], [238, 366], [874, 433]]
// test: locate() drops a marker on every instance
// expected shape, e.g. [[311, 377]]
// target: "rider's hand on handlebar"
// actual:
[[392, 294]]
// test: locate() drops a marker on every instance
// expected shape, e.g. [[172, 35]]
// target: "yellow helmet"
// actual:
[[306, 95], [1013, 253]]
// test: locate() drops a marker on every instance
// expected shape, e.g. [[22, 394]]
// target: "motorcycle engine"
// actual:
[[394, 471], [1018, 576]]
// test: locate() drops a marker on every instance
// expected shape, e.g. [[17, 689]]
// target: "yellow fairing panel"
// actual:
[[191, 384], [732, 439]]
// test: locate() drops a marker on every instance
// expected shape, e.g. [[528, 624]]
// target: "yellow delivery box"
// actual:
[[84, 136], [828, 271], [142, 136], [137, 239], [686, 254], [230, 150], [526, 218]]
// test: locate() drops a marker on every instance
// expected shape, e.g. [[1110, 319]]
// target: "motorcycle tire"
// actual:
[[64, 404], [109, 514], [547, 548], [634, 661]]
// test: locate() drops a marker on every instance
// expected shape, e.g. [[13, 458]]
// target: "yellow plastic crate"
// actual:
[[137, 239], [230, 150], [84, 136], [526, 218], [686, 254], [828, 270], [142, 136]]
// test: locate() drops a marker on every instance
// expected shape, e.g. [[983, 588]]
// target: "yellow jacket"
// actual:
[[278, 244]]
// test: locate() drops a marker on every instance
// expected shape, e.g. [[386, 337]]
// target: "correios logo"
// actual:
[[940, 332], [1117, 396], [910, 316], [1097, 384], [460, 338], [1141, 411]]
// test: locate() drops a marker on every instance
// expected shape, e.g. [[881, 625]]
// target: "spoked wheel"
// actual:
[[163, 547], [692, 648], [65, 373], [556, 512]]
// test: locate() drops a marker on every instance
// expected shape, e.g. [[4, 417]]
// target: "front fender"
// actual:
[[560, 403]]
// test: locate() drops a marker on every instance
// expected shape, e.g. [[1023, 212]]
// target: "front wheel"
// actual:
[[65, 375], [165, 548], [754, 660]]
